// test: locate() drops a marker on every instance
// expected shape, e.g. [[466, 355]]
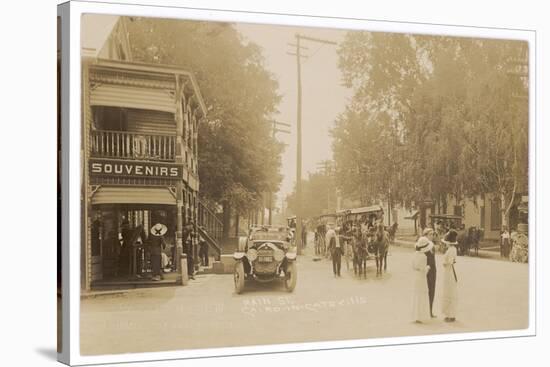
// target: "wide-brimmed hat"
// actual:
[[159, 229], [423, 245], [450, 238]]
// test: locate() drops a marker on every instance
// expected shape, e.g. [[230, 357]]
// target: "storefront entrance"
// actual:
[[120, 242]]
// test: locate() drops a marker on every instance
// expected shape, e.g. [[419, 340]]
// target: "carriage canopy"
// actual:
[[363, 213], [447, 220]]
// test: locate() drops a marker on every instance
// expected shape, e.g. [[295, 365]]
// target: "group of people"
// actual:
[[514, 245], [338, 240], [156, 247], [425, 269]]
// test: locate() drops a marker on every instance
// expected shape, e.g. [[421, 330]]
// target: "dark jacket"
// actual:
[[157, 245], [430, 256]]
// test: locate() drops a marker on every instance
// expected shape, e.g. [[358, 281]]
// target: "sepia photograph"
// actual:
[[250, 184]]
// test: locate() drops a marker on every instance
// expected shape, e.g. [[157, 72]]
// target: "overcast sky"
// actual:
[[323, 97]]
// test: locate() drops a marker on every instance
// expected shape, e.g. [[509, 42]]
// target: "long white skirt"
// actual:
[[421, 301], [449, 297]]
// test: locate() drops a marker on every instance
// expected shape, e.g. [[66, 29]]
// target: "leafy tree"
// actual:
[[447, 109], [317, 195], [238, 157]]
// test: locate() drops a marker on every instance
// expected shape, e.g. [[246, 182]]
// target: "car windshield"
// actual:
[[274, 234]]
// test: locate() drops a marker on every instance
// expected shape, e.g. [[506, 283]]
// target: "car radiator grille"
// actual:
[[262, 265]]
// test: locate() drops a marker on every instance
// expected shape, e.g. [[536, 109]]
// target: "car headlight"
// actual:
[[252, 254], [278, 254]]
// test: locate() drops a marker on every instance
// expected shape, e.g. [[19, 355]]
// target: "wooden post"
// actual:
[[179, 185], [299, 150]]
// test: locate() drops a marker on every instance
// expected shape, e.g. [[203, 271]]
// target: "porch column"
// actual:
[[179, 184]]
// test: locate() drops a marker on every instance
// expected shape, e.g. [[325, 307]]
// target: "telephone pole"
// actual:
[[275, 130], [326, 167], [299, 55]]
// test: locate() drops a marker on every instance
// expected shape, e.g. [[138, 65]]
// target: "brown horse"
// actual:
[[469, 239], [391, 231], [381, 245]]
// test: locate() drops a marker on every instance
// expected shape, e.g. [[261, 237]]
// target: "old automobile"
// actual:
[[266, 255]]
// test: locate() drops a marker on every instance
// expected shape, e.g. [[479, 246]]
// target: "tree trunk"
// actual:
[[506, 205]]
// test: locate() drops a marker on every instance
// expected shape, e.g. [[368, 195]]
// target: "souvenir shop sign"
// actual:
[[117, 168]]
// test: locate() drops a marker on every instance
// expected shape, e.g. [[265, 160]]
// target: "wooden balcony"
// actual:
[[128, 145]]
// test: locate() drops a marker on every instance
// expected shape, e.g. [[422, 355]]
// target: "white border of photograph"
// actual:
[[78, 8]]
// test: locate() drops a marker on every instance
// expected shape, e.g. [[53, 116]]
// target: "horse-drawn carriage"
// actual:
[[468, 238], [365, 237]]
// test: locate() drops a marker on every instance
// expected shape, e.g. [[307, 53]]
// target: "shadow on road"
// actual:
[[259, 288]]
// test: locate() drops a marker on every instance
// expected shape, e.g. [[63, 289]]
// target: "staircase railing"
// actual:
[[210, 227]]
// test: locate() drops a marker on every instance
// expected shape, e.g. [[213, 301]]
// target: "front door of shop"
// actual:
[[97, 258]]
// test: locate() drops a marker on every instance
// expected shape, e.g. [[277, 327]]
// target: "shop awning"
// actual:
[[133, 195], [113, 95]]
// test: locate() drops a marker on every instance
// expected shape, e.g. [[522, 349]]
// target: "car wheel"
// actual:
[[238, 277], [290, 277]]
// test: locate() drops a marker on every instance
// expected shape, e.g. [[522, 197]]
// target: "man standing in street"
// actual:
[[432, 273], [335, 250]]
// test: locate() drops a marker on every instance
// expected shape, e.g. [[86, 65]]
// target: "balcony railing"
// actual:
[[127, 145]]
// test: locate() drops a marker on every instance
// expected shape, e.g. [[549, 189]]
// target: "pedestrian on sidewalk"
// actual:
[[450, 280], [421, 304], [203, 251], [505, 242], [124, 259], [157, 245], [188, 235]]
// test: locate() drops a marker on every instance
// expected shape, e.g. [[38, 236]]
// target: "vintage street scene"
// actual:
[[252, 184]]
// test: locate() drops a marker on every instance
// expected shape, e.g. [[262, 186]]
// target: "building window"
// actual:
[[110, 118], [482, 217], [495, 215]]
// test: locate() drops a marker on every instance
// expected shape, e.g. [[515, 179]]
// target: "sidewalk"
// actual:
[[96, 294], [484, 253]]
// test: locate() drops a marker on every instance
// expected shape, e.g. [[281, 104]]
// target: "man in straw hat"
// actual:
[[157, 244], [450, 281], [421, 304]]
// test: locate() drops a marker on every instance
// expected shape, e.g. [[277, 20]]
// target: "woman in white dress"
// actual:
[[450, 291], [421, 301]]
